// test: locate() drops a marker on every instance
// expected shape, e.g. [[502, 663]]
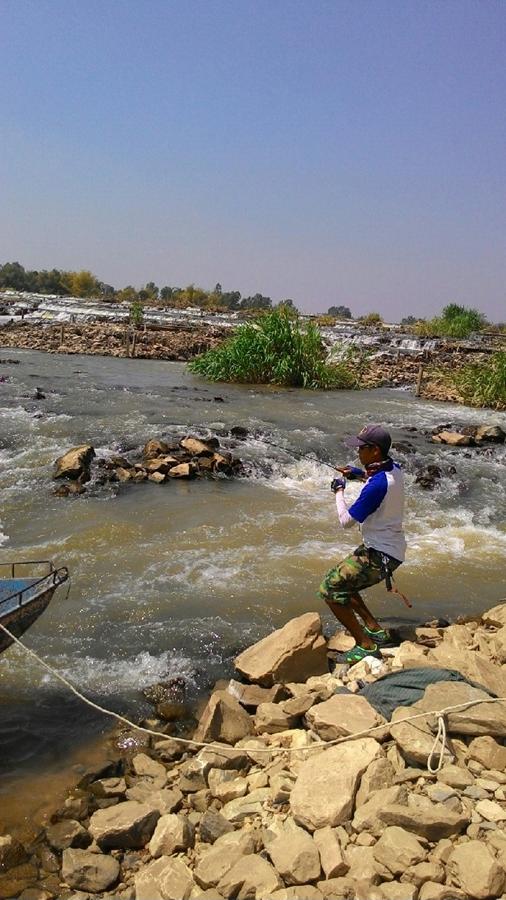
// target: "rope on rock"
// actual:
[[318, 745]]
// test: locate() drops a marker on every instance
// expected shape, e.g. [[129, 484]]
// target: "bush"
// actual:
[[483, 384], [455, 321], [136, 314], [372, 318], [275, 350]]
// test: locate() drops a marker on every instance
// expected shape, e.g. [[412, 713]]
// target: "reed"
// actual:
[[483, 384], [276, 349]]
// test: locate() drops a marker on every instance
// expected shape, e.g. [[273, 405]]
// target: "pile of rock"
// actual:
[[268, 811], [468, 435], [160, 461]]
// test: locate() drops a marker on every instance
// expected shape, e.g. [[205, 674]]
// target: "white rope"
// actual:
[[440, 736]]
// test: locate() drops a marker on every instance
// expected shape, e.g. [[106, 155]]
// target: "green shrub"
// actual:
[[483, 384], [372, 318], [136, 314], [455, 321], [275, 349]]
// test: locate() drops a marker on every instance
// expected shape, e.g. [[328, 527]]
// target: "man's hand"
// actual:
[[338, 484], [353, 473]]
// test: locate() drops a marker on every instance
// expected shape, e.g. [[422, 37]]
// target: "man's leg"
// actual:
[[365, 614], [346, 616]]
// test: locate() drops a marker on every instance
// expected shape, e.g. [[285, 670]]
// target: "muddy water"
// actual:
[[175, 579]]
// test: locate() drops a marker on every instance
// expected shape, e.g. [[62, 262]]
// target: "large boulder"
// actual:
[[473, 867], [471, 665], [292, 653], [75, 463], [324, 792], [127, 825], [415, 739], [223, 719], [342, 715], [478, 719], [429, 820], [453, 438]]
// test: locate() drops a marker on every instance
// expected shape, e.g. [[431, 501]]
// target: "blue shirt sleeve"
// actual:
[[371, 496]]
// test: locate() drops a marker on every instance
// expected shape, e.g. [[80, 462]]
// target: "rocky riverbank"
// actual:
[[311, 784]]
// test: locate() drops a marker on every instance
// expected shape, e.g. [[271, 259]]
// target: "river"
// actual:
[[176, 579]]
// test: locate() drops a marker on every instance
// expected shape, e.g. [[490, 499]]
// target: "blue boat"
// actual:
[[26, 589]]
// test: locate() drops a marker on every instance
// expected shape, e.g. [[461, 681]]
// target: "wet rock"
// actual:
[[183, 470], [67, 833], [154, 448], [128, 825], [108, 787], [144, 765], [12, 853], [428, 476], [490, 433], [292, 653], [75, 463], [89, 871], [16, 880], [326, 785], [198, 447], [165, 800], [238, 432], [223, 719]]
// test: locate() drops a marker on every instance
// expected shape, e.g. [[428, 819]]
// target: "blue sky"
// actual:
[[332, 152]]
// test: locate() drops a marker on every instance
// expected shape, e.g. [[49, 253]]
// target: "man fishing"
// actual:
[[378, 511]]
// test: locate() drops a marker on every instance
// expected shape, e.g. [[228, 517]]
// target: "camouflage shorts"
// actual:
[[361, 569]]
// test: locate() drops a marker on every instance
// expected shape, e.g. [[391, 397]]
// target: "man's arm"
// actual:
[[371, 496]]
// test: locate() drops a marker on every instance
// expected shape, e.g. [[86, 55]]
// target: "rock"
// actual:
[[271, 717], [434, 891], [183, 470], [309, 892], [222, 756], [192, 776], [490, 810], [155, 448], [453, 438], [292, 653], [294, 855], [495, 616], [488, 752], [428, 476], [250, 878], [169, 749], [326, 785], [108, 787], [16, 880], [142, 764], [414, 739], [456, 777], [490, 434], [473, 867], [252, 695], [342, 715], [422, 872], [213, 825], [197, 447], [157, 477], [165, 800], [471, 665], [67, 833], [398, 849], [12, 853], [225, 785], [392, 890], [164, 879], [364, 867], [244, 807], [430, 820], [172, 834], [89, 871], [331, 852], [128, 825], [380, 774], [223, 719], [481, 718], [367, 816], [225, 852], [75, 463]]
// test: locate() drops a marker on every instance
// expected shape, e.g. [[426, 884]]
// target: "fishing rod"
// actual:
[[354, 472]]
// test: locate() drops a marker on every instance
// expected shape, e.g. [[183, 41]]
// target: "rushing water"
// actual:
[[176, 579]]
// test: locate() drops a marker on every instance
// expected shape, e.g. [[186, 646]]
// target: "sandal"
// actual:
[[382, 637], [357, 653]]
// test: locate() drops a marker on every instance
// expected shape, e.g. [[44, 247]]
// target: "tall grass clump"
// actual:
[[455, 322], [276, 349], [483, 384]]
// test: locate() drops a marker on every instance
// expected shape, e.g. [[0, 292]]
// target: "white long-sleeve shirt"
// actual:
[[379, 511]]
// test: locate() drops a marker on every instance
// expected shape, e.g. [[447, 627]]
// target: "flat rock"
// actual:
[[491, 810], [379, 775], [244, 807], [165, 800], [430, 820], [414, 739], [292, 653], [342, 715], [271, 718], [474, 666], [455, 776], [89, 871], [213, 825], [325, 789], [67, 833], [367, 816], [479, 719], [251, 695]]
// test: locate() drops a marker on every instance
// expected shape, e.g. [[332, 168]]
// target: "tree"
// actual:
[[13, 276], [136, 314], [288, 304], [83, 284], [339, 312], [127, 294], [257, 301], [217, 288], [409, 320]]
